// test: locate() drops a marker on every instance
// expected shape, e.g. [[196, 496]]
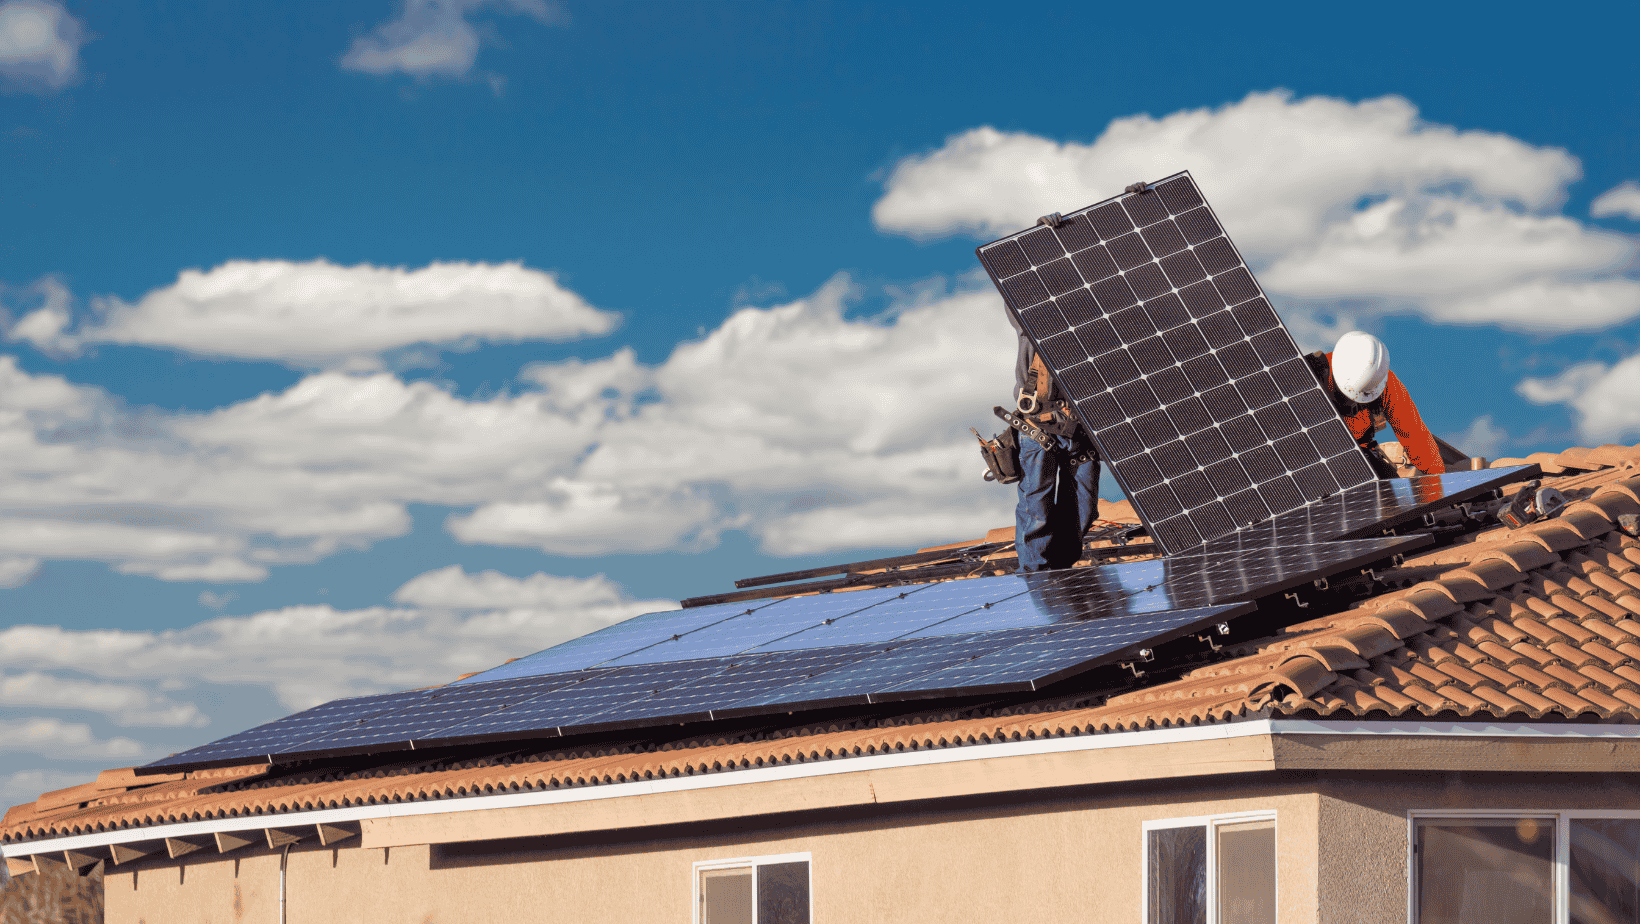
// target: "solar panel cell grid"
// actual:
[[1163, 318], [741, 633], [620, 639], [1063, 651], [916, 609], [291, 731], [581, 703], [437, 710], [746, 677]]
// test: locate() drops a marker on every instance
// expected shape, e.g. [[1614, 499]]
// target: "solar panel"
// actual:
[[1176, 364], [1369, 509], [732, 636], [888, 666], [912, 609], [954, 638], [578, 704], [1063, 651], [747, 676], [289, 732], [437, 710], [1000, 661], [623, 638]]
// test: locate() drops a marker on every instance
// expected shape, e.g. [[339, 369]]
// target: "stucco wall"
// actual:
[[1363, 853], [1073, 858]]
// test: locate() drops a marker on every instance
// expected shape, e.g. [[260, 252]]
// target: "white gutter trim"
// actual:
[[949, 755]]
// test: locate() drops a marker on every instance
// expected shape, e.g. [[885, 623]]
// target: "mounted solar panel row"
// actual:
[[669, 693], [1176, 364], [1006, 601], [1372, 508], [854, 648]]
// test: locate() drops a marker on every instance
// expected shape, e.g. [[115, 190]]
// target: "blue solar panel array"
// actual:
[[997, 634], [611, 698]]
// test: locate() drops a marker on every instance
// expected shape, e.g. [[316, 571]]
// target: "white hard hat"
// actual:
[[1360, 366]]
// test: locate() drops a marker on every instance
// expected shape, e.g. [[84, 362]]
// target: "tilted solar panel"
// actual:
[[1176, 364]]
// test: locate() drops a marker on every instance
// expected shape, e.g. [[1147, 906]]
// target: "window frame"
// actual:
[[752, 863], [1561, 874], [1211, 823]]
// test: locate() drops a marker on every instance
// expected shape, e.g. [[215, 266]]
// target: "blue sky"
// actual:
[[351, 346]]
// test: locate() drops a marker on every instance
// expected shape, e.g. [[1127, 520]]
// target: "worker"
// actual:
[[1058, 494], [1368, 396]]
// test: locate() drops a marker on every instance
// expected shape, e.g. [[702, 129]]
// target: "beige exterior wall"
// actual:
[[1364, 855], [1073, 860], [910, 845]]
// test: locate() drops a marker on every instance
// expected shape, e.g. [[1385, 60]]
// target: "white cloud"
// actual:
[[1622, 199], [742, 429], [453, 588], [66, 741], [306, 655], [123, 704], [39, 44], [46, 326], [15, 571], [317, 314], [435, 37], [27, 785], [1602, 398], [253, 669], [216, 601], [1483, 438], [1351, 207]]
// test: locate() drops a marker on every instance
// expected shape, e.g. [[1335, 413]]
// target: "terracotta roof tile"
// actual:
[[1548, 461], [1524, 554], [1615, 455], [1610, 584], [1506, 704], [1493, 573]]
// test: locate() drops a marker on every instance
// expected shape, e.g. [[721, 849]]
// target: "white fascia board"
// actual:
[[948, 755]]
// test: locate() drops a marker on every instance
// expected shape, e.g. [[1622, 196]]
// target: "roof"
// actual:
[[1538, 624]]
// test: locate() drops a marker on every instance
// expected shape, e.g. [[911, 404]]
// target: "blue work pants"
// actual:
[[1057, 503]]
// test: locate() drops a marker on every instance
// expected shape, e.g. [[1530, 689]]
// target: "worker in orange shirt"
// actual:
[[1368, 396]]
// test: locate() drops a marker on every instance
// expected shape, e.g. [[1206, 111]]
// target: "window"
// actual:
[[1577, 867], [756, 890], [1213, 870]]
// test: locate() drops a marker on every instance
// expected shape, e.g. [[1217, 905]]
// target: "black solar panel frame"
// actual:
[[1149, 278]]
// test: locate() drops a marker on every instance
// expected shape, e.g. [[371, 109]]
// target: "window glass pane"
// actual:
[[1485, 871], [1605, 871], [1177, 861], [1247, 872], [783, 893], [726, 896]]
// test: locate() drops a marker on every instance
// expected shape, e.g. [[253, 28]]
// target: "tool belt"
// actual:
[[1040, 418], [1001, 455]]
